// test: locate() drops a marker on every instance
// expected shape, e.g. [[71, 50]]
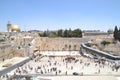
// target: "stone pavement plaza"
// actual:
[[77, 78], [60, 67]]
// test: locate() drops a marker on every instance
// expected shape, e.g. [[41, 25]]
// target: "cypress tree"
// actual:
[[66, 33], [116, 33]]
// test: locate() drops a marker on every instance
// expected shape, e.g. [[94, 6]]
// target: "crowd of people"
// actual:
[[66, 65]]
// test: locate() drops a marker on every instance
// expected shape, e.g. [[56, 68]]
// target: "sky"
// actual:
[[60, 14]]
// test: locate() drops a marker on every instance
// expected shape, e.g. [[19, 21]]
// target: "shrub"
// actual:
[[105, 43]]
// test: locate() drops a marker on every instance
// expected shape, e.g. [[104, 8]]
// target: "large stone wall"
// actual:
[[5, 52], [58, 43], [20, 41]]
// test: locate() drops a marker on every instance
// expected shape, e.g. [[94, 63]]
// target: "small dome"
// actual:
[[15, 28], [110, 31]]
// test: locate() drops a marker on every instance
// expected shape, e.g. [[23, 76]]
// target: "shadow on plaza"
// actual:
[[31, 76]]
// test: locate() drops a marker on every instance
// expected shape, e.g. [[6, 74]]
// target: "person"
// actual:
[[99, 71], [56, 72], [3, 59], [66, 72]]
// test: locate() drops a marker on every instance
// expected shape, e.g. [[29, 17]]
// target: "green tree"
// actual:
[[70, 33], [40, 34], [116, 33], [65, 33], [60, 33], [53, 34], [118, 36], [77, 33], [44, 34], [105, 43]]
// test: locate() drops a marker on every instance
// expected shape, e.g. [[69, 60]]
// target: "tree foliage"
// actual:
[[77, 33], [65, 33], [105, 43], [116, 33], [62, 33]]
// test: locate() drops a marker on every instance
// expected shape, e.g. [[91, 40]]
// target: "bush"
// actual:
[[105, 43]]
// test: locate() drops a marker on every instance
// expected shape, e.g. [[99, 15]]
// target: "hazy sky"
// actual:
[[60, 14]]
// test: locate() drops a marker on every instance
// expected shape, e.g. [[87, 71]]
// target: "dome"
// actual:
[[110, 31], [15, 28]]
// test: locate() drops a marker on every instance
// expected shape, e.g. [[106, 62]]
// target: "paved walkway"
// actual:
[[76, 78], [67, 66], [12, 61]]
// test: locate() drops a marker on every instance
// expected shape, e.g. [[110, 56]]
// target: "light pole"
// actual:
[[26, 51]]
